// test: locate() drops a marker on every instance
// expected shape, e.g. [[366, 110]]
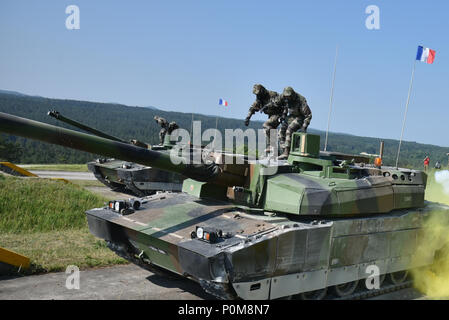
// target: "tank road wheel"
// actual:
[[398, 277], [345, 289], [313, 295]]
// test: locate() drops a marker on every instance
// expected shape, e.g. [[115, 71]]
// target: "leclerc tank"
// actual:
[[129, 177], [312, 224]]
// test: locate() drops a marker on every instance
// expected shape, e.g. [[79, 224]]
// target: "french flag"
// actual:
[[223, 102], [425, 55]]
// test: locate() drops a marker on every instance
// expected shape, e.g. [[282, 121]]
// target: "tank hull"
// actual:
[[263, 257], [133, 178]]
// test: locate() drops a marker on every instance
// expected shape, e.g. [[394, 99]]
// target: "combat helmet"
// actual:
[[288, 92], [259, 89]]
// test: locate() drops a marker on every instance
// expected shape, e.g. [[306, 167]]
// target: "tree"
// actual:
[[9, 151]]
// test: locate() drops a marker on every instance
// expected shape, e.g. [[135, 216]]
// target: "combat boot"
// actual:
[[285, 154]]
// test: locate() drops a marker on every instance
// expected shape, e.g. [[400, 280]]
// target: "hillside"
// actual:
[[129, 122]]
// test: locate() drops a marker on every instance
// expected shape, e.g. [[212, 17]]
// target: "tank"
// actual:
[[128, 177], [310, 226]]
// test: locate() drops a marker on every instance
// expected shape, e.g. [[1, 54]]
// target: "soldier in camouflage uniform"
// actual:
[[164, 127], [267, 102], [172, 127], [297, 115]]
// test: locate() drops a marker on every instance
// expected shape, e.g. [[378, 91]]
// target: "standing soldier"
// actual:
[[297, 115], [267, 102], [426, 163], [164, 127]]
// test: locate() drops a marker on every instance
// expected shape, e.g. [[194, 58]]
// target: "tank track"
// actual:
[[108, 184], [364, 294], [137, 192], [128, 188], [224, 291], [360, 294], [221, 291]]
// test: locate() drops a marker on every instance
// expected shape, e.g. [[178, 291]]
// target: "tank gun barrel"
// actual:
[[55, 114], [35, 130]]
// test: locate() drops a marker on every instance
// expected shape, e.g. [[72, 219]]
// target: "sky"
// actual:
[[186, 55]]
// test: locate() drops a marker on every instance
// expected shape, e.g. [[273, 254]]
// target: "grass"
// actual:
[[41, 205], [54, 251], [44, 220], [87, 183], [56, 167]]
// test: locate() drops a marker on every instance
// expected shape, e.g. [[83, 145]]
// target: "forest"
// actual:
[[128, 122]]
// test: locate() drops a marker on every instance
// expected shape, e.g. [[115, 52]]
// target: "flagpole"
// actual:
[[331, 98], [191, 127], [215, 133], [406, 109]]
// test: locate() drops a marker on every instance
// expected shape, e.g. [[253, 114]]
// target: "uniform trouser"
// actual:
[[271, 123], [162, 135], [288, 127]]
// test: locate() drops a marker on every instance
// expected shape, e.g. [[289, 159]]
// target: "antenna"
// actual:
[[331, 98]]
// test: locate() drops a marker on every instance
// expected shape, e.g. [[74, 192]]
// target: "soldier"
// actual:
[[172, 127], [426, 163], [164, 127], [297, 115], [267, 102]]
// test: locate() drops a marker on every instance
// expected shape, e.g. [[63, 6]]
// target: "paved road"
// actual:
[[123, 282], [119, 282], [69, 175]]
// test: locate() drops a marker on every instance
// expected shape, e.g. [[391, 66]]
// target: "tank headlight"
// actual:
[[199, 232], [208, 234], [135, 204], [118, 205]]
